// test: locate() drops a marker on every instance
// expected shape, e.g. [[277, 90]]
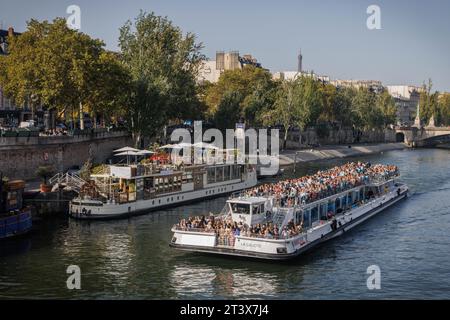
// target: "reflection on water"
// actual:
[[217, 282], [131, 258]]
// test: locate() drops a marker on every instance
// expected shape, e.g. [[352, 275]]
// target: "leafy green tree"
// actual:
[[386, 107], [429, 104], [254, 84], [163, 64], [284, 110], [444, 107], [367, 115], [309, 101], [114, 85], [329, 113], [342, 105], [227, 113], [53, 65]]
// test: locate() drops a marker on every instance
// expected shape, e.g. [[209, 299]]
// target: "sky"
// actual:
[[412, 45]]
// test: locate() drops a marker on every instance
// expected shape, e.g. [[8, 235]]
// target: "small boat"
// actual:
[[285, 219], [15, 219]]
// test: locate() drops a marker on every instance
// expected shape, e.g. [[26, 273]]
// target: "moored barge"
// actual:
[[15, 219]]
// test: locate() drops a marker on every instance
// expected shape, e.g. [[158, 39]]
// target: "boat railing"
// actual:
[[383, 178], [238, 194], [199, 230], [69, 179]]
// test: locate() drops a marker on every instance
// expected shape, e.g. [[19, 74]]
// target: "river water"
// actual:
[[131, 259]]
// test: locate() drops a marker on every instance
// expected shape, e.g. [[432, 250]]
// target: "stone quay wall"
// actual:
[[21, 156], [302, 139]]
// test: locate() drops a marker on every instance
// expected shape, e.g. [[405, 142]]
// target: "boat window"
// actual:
[[323, 211], [236, 172], [331, 207], [92, 204], [355, 197], [343, 202], [258, 209], [314, 214], [219, 174], [306, 218], [241, 208], [298, 216], [338, 203], [226, 173], [350, 198], [211, 173]]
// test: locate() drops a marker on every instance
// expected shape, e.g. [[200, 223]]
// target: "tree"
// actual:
[[112, 91], [254, 85], [444, 108], [342, 106], [428, 102], [53, 65], [309, 101], [255, 104], [227, 113], [386, 107], [367, 115], [163, 64], [329, 93], [284, 110]]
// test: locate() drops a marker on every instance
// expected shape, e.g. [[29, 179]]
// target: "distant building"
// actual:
[[406, 100], [403, 91], [212, 69], [293, 75], [373, 85]]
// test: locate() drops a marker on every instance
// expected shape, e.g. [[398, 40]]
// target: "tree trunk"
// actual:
[[73, 119], [81, 117], [285, 137]]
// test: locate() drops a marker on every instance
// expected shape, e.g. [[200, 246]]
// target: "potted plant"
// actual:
[[44, 172]]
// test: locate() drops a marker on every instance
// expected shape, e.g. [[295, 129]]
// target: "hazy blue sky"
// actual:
[[413, 45]]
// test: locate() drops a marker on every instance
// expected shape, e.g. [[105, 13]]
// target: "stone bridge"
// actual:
[[417, 136]]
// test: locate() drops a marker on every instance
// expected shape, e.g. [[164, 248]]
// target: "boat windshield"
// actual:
[[240, 208]]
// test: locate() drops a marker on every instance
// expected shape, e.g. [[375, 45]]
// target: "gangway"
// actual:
[[68, 180]]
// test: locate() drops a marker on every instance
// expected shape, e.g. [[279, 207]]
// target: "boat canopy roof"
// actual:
[[248, 200]]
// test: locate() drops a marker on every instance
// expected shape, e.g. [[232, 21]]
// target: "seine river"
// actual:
[[131, 259]]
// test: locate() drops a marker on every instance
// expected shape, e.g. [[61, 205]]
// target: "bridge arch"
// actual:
[[399, 137]]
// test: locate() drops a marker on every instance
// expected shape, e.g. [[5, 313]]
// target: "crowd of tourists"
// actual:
[[227, 229], [288, 193], [310, 188]]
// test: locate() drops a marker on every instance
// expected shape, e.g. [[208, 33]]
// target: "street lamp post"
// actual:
[[295, 161]]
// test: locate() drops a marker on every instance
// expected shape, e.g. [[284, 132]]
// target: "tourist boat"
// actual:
[[126, 190], [321, 219], [15, 219]]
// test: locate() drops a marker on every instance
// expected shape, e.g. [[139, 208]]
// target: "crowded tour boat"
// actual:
[[122, 190], [282, 220], [15, 218]]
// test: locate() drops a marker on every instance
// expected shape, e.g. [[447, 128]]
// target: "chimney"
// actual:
[[10, 31]]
